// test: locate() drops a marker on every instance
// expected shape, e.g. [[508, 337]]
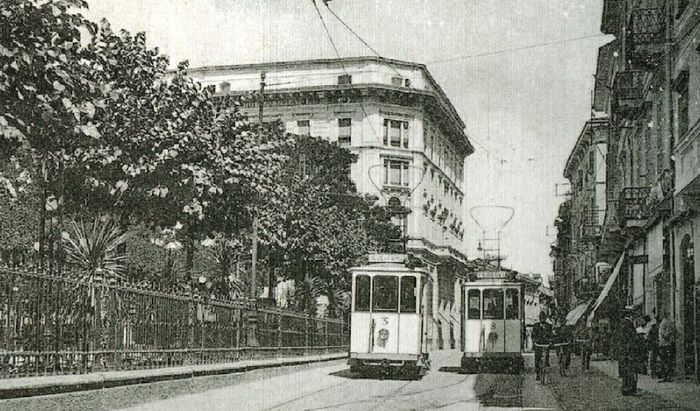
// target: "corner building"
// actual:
[[409, 139]]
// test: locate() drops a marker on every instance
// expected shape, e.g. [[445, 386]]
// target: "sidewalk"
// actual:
[[599, 389], [682, 393], [58, 384]]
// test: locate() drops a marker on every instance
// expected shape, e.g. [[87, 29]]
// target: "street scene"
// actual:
[[334, 204]]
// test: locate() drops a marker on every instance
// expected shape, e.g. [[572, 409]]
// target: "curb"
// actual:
[[60, 384]]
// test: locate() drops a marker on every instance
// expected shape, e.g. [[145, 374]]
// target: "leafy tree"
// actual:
[[328, 227]]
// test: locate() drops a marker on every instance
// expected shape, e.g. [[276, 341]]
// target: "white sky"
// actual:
[[526, 107]]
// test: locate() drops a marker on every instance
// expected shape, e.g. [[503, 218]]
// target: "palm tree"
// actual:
[[94, 250]]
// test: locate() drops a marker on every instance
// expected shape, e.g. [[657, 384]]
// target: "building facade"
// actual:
[[586, 171], [409, 139], [648, 88]]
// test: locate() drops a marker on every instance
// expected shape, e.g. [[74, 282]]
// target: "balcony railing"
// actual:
[[632, 204], [645, 37], [629, 90], [646, 26]]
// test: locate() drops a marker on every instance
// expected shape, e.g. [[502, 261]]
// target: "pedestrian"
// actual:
[[653, 345], [584, 337], [667, 348], [628, 351], [541, 335]]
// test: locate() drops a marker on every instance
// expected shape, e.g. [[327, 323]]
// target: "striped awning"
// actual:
[[606, 289], [574, 315]]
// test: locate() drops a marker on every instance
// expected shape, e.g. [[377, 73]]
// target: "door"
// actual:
[[385, 314], [493, 325]]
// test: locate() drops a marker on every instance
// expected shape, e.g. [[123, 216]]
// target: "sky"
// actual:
[[524, 108]]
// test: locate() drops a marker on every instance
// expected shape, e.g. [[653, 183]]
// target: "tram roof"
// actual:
[[388, 268]]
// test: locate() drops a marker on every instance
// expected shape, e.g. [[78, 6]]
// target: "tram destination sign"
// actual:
[[386, 258], [496, 275]]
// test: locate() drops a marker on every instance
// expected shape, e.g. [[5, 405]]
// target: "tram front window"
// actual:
[[385, 293], [474, 304], [408, 294], [512, 304], [493, 304], [362, 287]]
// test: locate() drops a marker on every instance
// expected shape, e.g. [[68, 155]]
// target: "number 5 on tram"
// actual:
[[390, 306], [493, 324]]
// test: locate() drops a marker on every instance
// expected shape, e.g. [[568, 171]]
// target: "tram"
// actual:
[[390, 316], [493, 322]]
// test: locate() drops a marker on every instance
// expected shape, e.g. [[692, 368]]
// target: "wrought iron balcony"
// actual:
[[632, 205], [647, 26], [629, 91], [646, 36]]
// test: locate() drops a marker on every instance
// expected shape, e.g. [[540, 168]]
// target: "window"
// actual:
[[396, 172], [396, 81], [396, 133], [407, 82], [409, 292], [344, 131], [493, 304], [225, 87], [345, 79], [474, 305], [512, 304], [362, 287], [591, 159], [303, 128], [385, 294]]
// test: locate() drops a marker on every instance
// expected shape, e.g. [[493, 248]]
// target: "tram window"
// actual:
[[512, 304], [408, 294], [385, 293], [493, 304], [474, 304], [362, 293]]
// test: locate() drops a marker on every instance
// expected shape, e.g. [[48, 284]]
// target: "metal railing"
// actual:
[[646, 26], [55, 324], [632, 204]]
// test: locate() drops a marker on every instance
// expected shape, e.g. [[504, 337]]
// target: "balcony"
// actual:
[[628, 87], [632, 206], [646, 36]]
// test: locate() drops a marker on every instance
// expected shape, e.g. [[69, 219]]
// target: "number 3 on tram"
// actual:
[[390, 308]]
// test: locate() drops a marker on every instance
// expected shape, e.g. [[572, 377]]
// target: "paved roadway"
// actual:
[[332, 386]]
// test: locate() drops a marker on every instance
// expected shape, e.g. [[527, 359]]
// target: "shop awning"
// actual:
[[607, 287], [574, 315]]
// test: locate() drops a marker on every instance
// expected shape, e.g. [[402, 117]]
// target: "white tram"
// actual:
[[493, 322], [390, 316]]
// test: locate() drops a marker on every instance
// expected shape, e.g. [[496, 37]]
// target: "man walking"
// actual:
[[541, 335], [667, 348], [584, 337], [629, 352]]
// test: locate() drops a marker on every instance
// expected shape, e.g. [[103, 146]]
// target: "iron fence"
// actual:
[[56, 324]]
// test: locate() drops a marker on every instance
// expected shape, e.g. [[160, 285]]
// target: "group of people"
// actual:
[[639, 341], [643, 341], [546, 335]]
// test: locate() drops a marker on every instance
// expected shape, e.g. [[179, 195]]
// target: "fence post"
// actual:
[[279, 329]]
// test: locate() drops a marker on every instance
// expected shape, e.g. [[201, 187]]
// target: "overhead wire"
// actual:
[[342, 65], [363, 41]]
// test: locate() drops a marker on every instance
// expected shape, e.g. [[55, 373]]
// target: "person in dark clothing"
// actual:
[[541, 335], [584, 337], [564, 338], [653, 344], [630, 354]]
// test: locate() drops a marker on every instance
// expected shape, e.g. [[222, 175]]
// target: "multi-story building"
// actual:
[[409, 139], [648, 87], [562, 259], [685, 220], [586, 171]]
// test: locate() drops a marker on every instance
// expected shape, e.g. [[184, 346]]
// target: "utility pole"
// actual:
[[254, 248]]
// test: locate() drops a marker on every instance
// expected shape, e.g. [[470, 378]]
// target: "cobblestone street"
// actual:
[[598, 390]]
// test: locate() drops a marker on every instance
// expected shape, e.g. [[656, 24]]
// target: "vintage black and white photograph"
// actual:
[[349, 205]]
